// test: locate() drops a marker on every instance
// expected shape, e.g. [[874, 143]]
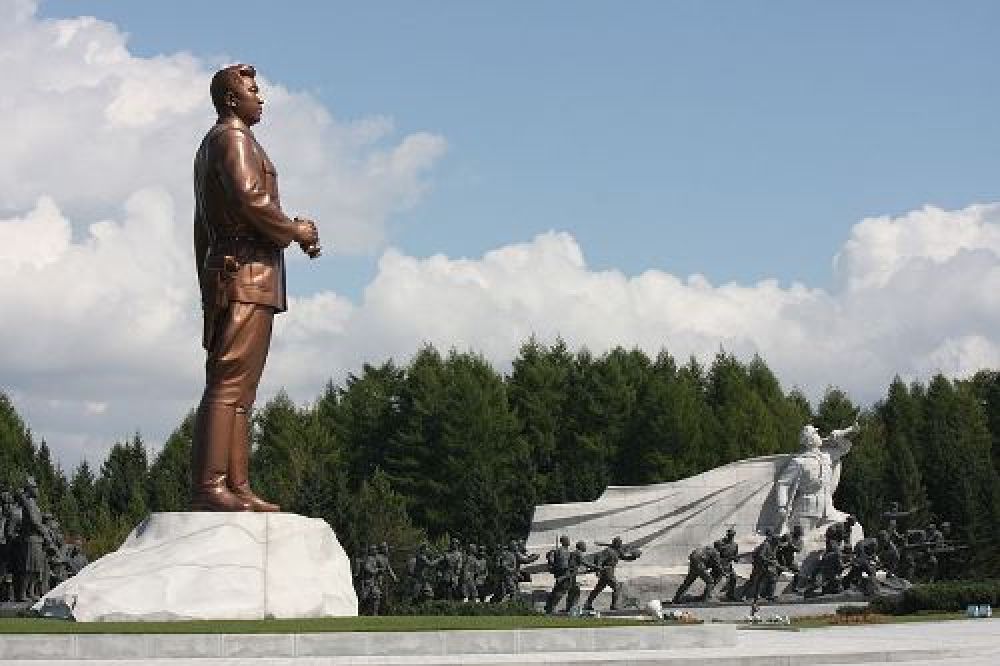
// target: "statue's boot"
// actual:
[[210, 460], [239, 465]]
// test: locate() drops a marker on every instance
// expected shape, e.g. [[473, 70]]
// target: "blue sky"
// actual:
[[737, 140], [557, 169]]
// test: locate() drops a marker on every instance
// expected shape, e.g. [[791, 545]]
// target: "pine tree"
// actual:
[[537, 388], [85, 496], [946, 456], [901, 416], [412, 461], [170, 473], [16, 447], [282, 452], [835, 411]]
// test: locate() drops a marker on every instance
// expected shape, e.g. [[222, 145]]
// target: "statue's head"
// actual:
[[616, 542], [809, 439], [564, 541], [731, 534], [234, 92]]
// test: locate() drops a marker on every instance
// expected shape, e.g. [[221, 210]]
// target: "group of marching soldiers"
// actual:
[[919, 553], [566, 564], [469, 573], [477, 574], [34, 555], [913, 554], [714, 566]]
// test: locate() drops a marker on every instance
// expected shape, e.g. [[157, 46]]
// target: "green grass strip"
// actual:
[[311, 625]]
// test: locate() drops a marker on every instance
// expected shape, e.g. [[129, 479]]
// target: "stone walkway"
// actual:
[[965, 642]]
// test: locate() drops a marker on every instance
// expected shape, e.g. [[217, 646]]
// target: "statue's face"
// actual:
[[810, 439], [245, 101]]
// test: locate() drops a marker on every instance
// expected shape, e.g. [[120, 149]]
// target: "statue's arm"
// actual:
[[241, 171], [786, 485], [839, 444], [200, 250]]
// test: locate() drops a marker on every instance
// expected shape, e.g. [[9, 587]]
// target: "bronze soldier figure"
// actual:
[[451, 581], [31, 560], [5, 559], [369, 591], [764, 575], [12, 534], [482, 574], [469, 574], [422, 568], [729, 552], [605, 562], [864, 564], [704, 563], [385, 571], [559, 566], [509, 571], [240, 233]]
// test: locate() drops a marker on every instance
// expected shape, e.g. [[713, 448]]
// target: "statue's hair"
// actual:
[[226, 79]]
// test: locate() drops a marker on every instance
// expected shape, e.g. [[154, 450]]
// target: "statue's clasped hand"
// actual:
[[308, 237]]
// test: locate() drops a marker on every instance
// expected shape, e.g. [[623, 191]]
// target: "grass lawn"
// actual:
[[820, 621], [390, 623]]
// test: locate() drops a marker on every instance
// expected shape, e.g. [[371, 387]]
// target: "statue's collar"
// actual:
[[234, 122]]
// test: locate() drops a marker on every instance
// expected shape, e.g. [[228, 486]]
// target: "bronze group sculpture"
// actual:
[[240, 233], [34, 554]]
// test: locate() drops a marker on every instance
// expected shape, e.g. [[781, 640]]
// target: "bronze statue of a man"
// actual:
[[240, 233]]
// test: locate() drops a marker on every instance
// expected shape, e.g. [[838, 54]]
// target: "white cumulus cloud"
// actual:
[[97, 285], [99, 315]]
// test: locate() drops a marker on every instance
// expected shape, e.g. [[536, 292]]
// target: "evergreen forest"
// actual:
[[447, 446]]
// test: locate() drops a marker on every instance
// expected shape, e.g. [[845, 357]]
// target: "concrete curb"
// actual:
[[594, 641]]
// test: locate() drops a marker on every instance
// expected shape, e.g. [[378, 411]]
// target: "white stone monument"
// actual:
[[669, 520], [211, 566]]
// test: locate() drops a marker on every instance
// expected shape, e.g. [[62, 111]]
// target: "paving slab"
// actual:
[[951, 643]]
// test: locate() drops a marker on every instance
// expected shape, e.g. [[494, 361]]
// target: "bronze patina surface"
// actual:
[[240, 233]]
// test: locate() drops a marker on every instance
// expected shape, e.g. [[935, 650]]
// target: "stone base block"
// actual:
[[213, 566]]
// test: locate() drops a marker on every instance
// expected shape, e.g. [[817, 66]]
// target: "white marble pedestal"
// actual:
[[210, 566]]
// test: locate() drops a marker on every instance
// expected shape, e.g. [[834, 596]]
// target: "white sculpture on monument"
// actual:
[[806, 486]]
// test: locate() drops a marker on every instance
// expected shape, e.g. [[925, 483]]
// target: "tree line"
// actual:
[[447, 446]]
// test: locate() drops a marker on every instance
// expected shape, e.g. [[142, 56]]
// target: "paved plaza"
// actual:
[[965, 642]]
